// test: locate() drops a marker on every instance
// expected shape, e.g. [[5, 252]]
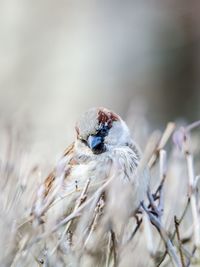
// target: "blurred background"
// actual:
[[58, 58]]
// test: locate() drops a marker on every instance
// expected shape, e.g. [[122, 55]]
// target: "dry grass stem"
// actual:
[[93, 223]]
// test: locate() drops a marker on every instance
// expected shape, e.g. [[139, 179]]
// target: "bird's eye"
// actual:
[[103, 131]]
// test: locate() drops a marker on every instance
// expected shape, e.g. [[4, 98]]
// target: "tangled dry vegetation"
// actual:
[[164, 231]]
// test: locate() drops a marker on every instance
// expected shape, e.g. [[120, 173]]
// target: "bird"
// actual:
[[103, 153]]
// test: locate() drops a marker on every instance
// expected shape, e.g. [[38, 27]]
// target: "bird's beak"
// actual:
[[94, 141]]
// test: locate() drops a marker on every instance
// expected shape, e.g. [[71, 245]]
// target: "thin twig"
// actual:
[[168, 243], [98, 212], [163, 170], [193, 252], [114, 248], [176, 222], [165, 137], [80, 201], [174, 233], [109, 246], [148, 235], [192, 191], [193, 125], [139, 222]]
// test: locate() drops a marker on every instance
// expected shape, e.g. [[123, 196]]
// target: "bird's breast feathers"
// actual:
[[99, 168], [81, 166]]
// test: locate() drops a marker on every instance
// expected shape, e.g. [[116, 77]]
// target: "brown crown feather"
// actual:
[[106, 116]]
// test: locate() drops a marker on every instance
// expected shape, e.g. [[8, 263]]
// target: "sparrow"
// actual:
[[103, 149]]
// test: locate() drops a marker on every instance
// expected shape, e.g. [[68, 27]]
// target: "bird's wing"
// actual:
[[69, 155]]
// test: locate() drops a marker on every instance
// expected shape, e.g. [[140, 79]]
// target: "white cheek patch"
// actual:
[[118, 134]]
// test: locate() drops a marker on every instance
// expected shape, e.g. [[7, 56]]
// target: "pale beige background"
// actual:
[[58, 58]]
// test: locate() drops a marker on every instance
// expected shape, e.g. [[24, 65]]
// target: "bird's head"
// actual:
[[101, 129]]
